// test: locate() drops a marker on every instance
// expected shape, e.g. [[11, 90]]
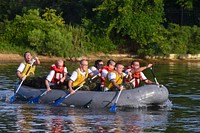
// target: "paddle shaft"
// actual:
[[113, 108], [154, 75], [118, 96], [79, 87], [43, 93], [66, 96], [74, 91]]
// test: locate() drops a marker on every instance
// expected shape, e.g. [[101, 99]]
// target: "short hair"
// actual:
[[134, 61], [97, 62], [110, 62], [83, 60], [118, 63], [26, 53], [59, 61]]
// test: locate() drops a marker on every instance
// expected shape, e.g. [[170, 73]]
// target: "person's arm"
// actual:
[[49, 79], [64, 76], [73, 78], [70, 87], [119, 87], [112, 79], [141, 68], [127, 75], [144, 78], [47, 85], [19, 71], [149, 81], [37, 61]]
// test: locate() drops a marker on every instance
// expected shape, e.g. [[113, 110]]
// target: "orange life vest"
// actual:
[[59, 73], [136, 76]]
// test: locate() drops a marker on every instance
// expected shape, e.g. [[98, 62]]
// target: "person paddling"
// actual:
[[106, 69], [79, 76], [24, 70], [97, 69], [56, 78], [114, 79], [138, 76]]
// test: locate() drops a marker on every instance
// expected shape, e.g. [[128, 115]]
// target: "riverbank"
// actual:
[[118, 57]]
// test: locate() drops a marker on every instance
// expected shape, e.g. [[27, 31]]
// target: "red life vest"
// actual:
[[136, 76], [104, 78], [59, 73]]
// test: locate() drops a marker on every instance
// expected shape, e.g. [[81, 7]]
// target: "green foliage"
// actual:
[[79, 41], [50, 15], [187, 4], [139, 20], [123, 25], [47, 35], [194, 41], [175, 39], [101, 44], [36, 37]]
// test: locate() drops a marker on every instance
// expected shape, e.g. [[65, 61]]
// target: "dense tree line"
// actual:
[[74, 27]]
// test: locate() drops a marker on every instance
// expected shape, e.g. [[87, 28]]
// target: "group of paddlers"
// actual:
[[109, 77]]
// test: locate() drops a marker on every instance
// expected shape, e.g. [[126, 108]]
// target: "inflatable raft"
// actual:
[[144, 96]]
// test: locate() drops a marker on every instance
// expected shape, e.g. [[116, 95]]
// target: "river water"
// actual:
[[181, 79]]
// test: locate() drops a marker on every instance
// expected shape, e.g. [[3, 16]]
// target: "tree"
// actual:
[[130, 19]]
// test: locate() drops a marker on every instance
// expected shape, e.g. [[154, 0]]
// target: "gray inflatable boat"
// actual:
[[144, 96]]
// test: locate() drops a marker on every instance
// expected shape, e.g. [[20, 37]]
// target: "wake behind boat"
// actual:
[[144, 96]]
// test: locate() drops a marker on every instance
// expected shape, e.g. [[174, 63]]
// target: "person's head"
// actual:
[[135, 64], [111, 63], [83, 65], [59, 63], [27, 56], [119, 67], [98, 64]]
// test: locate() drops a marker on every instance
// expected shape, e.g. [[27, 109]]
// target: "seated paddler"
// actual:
[[115, 78], [80, 76], [56, 78], [25, 69]]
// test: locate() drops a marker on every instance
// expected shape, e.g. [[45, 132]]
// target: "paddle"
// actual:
[[113, 108], [154, 75], [13, 98], [67, 95], [36, 99]]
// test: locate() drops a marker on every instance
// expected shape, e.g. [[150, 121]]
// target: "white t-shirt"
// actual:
[[94, 70], [52, 72], [141, 73], [138, 80], [112, 75], [104, 73], [21, 67], [74, 75]]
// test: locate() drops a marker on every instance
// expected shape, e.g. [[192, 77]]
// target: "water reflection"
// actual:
[[44, 118]]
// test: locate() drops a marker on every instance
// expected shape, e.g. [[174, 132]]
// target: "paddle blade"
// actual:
[[13, 98], [57, 102], [34, 100], [113, 108]]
